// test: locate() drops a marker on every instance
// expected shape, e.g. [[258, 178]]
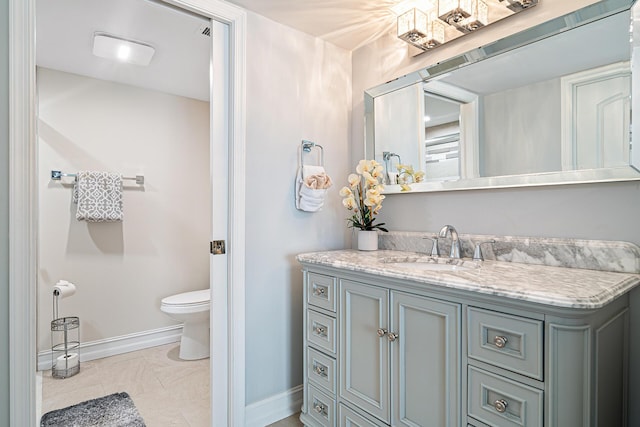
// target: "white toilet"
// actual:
[[191, 308]]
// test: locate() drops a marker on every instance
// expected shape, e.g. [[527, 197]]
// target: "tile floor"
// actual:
[[292, 421], [167, 391]]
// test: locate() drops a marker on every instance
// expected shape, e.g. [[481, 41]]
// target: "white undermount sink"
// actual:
[[428, 263]]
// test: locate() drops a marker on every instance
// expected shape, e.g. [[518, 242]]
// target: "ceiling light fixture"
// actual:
[[122, 50], [450, 19]]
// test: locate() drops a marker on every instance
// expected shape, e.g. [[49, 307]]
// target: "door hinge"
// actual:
[[217, 247]]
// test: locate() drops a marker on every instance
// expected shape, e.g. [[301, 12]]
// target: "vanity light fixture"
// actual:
[[419, 29], [122, 50], [454, 11], [450, 19], [479, 16]]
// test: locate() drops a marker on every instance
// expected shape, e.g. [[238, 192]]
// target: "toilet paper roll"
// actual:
[[67, 361], [64, 289]]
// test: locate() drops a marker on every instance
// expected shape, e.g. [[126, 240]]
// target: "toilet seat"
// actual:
[[187, 302]]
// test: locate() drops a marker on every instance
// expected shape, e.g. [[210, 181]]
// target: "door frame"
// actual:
[[228, 382]]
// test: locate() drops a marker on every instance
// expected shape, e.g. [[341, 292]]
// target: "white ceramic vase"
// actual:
[[367, 240]]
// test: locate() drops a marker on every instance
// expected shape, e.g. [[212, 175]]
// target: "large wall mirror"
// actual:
[[549, 105]]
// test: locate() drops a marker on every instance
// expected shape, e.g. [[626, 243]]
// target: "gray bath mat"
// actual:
[[115, 410]]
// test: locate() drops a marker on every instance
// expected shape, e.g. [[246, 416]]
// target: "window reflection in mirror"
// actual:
[[441, 138]]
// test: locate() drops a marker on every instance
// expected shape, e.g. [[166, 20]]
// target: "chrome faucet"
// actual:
[[455, 242]]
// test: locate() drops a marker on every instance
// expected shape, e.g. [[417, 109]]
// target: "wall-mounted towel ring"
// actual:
[[306, 148]]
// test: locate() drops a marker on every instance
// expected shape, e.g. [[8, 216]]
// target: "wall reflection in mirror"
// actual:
[[557, 110]]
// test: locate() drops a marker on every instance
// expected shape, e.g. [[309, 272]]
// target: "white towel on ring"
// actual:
[[310, 199]]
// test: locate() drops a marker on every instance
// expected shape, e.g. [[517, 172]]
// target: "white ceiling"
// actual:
[[180, 65], [601, 42], [346, 23]]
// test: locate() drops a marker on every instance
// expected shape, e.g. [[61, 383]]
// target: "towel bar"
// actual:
[[57, 175]]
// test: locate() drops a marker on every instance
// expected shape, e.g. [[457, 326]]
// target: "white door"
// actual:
[[597, 118], [219, 152]]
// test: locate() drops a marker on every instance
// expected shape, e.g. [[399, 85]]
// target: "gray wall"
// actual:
[[607, 211], [90, 124], [4, 212], [539, 147], [298, 87]]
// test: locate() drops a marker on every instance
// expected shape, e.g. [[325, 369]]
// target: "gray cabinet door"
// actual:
[[425, 360], [363, 353]]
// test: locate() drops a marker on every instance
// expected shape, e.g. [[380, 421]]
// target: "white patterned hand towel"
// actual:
[[99, 196]]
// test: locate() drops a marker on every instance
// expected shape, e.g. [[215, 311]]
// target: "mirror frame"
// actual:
[[550, 28]]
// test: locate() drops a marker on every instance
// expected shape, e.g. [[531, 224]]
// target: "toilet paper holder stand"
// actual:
[[65, 344]]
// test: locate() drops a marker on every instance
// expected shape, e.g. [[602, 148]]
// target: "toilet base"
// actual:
[[194, 343]]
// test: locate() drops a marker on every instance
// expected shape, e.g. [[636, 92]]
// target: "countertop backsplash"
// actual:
[[622, 257]]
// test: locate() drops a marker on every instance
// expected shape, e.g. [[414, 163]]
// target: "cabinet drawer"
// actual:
[[499, 401], [321, 291], [321, 407], [349, 418], [321, 370], [510, 342], [321, 331]]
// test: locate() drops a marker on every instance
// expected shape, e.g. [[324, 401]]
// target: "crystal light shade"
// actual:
[[435, 32], [412, 26], [479, 17], [520, 4], [454, 11]]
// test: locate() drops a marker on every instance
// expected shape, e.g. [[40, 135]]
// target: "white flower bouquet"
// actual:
[[364, 196]]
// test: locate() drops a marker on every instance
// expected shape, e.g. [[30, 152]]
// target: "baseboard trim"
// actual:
[[274, 408], [117, 345]]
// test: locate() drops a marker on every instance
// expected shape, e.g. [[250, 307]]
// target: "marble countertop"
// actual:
[[554, 286]]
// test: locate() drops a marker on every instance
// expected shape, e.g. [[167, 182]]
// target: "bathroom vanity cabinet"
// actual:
[[386, 346]]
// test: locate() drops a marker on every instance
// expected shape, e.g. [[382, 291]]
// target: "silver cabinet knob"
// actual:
[[382, 332], [500, 405], [320, 330], [320, 370], [319, 408], [500, 341], [393, 336], [319, 290]]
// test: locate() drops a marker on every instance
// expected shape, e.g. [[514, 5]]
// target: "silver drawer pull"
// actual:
[[319, 290], [393, 336], [500, 341], [500, 405], [382, 332], [319, 408], [320, 370], [320, 330]]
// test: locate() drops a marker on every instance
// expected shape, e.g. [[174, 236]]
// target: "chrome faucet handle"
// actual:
[[477, 252], [435, 252]]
